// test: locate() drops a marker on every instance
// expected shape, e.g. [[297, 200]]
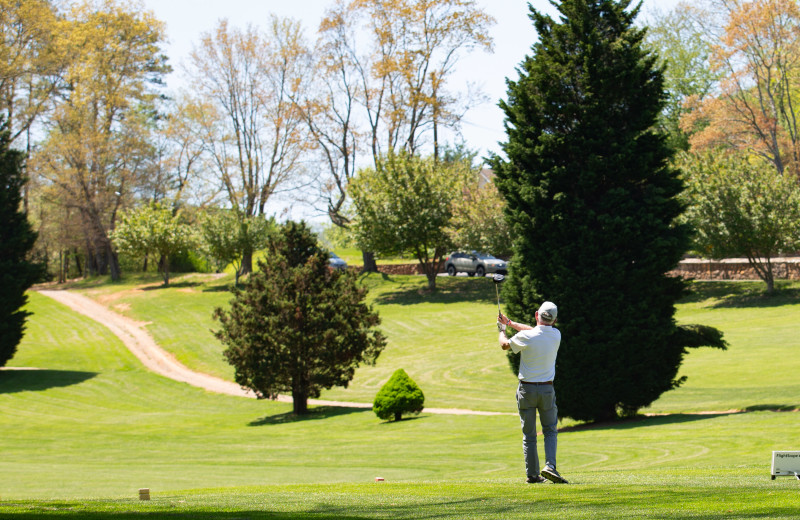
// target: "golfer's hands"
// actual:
[[501, 318], [501, 326]]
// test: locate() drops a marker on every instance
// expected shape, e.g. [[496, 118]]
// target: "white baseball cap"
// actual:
[[548, 312]]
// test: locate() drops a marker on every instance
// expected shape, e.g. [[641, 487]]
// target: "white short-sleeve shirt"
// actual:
[[539, 347]]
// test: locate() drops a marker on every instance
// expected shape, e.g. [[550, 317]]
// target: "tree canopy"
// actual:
[[404, 205], [593, 207], [756, 55], [17, 272], [399, 395], [153, 229], [741, 207], [298, 326]]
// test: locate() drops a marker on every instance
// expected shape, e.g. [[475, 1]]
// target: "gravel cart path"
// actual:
[[138, 341]]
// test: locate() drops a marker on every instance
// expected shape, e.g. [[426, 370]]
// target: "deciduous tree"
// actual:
[[246, 84], [30, 62], [404, 205], [683, 47], [757, 53], [154, 228], [414, 47], [298, 326], [226, 233], [400, 80], [478, 221], [98, 136], [741, 207]]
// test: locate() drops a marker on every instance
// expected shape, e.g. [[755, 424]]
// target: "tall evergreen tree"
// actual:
[[592, 203], [17, 273]]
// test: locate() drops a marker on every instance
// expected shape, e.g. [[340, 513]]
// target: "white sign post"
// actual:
[[786, 464]]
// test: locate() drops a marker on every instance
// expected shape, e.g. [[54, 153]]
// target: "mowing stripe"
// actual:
[[144, 347]]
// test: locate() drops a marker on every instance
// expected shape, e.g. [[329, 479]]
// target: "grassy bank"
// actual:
[[448, 340], [86, 431]]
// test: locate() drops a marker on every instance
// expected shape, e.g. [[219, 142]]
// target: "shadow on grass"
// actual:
[[744, 294], [402, 420], [37, 513], [314, 414], [225, 287], [448, 290], [12, 381], [619, 502], [185, 284], [645, 421], [773, 408], [166, 508]]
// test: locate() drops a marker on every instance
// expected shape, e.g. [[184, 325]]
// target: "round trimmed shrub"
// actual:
[[399, 395]]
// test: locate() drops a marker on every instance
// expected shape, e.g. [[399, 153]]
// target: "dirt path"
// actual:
[[138, 341]]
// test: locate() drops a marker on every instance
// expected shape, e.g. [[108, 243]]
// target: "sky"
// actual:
[[482, 127]]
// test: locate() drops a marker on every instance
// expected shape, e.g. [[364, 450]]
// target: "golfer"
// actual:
[[538, 347]]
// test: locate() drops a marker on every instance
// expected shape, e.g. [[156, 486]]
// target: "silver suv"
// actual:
[[474, 263]]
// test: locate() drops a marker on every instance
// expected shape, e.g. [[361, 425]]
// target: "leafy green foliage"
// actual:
[[741, 207], [227, 235], [399, 395], [403, 205], [592, 203], [683, 48], [153, 228], [297, 326], [17, 273], [479, 221]]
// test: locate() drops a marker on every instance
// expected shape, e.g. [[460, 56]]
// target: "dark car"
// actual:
[[336, 263], [474, 263]]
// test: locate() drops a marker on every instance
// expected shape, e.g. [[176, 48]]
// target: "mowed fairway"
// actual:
[[83, 434]]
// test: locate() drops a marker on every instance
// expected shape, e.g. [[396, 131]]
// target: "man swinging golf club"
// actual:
[[538, 347]]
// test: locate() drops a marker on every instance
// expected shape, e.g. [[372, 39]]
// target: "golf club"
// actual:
[[498, 279]]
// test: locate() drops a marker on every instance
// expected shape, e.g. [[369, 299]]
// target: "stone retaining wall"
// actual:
[[403, 269], [733, 269]]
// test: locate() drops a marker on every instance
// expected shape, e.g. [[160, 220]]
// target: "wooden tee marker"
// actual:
[[144, 494]]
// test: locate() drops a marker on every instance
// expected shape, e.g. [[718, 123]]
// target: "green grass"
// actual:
[[759, 369], [448, 340], [354, 257], [733, 495], [83, 435]]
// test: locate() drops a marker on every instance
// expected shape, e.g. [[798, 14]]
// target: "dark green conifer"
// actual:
[[297, 326], [17, 272], [592, 204]]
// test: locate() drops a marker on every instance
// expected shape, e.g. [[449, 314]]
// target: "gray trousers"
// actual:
[[531, 398]]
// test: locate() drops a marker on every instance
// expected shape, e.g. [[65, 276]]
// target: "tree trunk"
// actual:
[[66, 265], [769, 278], [164, 261], [430, 272], [370, 266], [113, 263], [398, 416], [247, 262], [91, 261], [299, 402], [62, 258], [78, 264]]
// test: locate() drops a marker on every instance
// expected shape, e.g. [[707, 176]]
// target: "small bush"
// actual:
[[399, 395]]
